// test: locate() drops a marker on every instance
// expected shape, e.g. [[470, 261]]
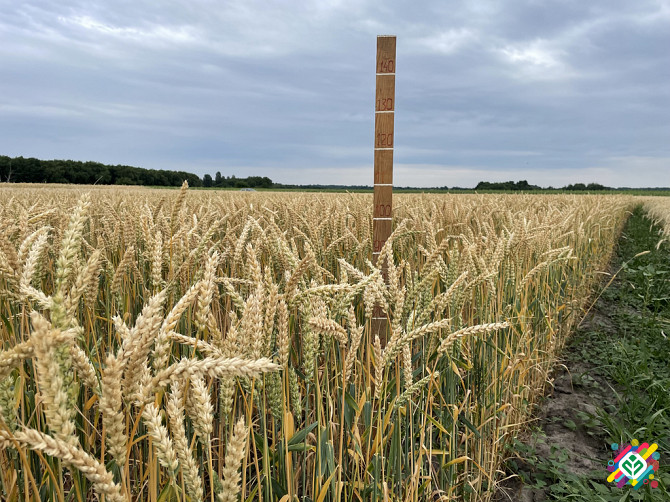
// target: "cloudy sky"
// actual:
[[553, 92]]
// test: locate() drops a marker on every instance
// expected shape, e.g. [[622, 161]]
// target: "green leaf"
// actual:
[[168, 494], [437, 424], [351, 402], [468, 424], [277, 488], [297, 447], [299, 437], [600, 488]]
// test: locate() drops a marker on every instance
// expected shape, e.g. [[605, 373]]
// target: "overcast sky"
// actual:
[[553, 92]]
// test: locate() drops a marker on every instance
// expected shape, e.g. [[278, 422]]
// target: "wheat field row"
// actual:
[[196, 346], [658, 210]]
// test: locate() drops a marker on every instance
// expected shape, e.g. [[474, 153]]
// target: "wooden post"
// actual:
[[382, 216]]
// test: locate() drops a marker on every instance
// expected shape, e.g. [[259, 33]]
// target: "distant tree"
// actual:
[[506, 185], [161, 178], [31, 170], [192, 179], [583, 187], [258, 182], [5, 168]]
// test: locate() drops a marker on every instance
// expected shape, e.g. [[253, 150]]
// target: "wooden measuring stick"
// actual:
[[382, 216]]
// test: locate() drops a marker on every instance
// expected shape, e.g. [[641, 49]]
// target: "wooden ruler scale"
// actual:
[[382, 216]]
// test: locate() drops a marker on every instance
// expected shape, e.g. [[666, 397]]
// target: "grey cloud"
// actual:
[[544, 90]]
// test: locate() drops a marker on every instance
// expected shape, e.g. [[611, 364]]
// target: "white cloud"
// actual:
[[447, 41], [537, 60], [532, 54], [151, 33]]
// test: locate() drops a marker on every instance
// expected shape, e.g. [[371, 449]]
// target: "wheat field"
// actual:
[[658, 211], [197, 346]]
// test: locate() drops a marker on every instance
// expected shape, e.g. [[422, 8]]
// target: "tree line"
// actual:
[[523, 185], [31, 170], [234, 182]]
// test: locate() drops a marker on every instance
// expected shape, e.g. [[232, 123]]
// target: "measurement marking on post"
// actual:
[[382, 206]]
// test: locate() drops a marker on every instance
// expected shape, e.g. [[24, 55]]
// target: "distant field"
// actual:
[[193, 345], [451, 191]]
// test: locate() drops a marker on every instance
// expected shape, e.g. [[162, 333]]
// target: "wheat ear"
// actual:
[[59, 415], [175, 412], [213, 367], [470, 330], [234, 455], [200, 409], [159, 434], [161, 354], [110, 405], [103, 481], [136, 347]]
